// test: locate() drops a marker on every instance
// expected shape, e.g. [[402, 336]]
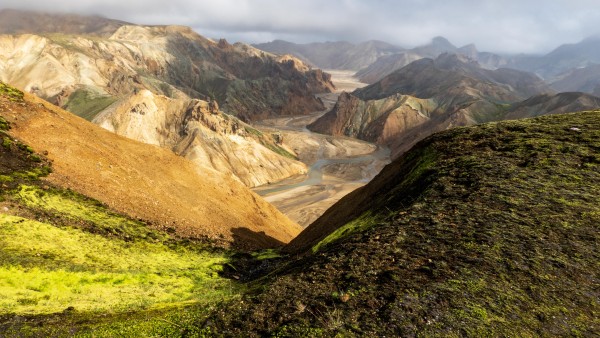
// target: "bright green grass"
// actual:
[[47, 269], [75, 207], [362, 223]]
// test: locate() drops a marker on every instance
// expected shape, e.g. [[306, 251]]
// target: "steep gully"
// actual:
[[337, 165]]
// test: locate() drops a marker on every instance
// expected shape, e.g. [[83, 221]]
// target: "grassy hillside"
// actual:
[[482, 231], [69, 265]]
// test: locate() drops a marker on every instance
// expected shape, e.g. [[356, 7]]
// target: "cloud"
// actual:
[[510, 26]]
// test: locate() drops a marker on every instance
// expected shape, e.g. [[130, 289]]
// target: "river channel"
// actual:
[[336, 165]]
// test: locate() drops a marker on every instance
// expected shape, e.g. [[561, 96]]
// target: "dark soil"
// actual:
[[490, 230]]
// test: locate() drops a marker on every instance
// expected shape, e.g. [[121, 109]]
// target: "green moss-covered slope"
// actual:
[[490, 230], [70, 266]]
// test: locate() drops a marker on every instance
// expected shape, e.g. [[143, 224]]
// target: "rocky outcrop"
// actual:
[[200, 132]]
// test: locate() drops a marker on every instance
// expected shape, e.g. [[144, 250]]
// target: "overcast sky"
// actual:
[[510, 26]]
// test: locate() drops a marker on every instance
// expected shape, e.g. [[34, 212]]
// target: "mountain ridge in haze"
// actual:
[[332, 55]]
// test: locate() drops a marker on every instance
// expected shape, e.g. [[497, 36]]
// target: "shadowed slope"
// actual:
[[489, 230]]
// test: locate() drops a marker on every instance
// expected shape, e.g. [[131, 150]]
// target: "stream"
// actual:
[[336, 165]]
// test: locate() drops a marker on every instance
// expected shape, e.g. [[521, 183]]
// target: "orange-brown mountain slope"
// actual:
[[145, 181]]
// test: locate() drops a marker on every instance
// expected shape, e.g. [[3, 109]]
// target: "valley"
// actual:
[[336, 165], [157, 180]]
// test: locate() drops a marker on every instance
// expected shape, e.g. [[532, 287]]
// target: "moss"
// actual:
[[6, 142], [266, 254], [87, 104], [279, 150], [362, 223], [483, 231], [4, 125], [253, 131], [55, 268], [10, 93]]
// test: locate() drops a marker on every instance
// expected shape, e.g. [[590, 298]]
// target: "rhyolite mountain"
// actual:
[[99, 75], [433, 95], [86, 74], [142, 181], [333, 55], [199, 131], [387, 64], [489, 230], [14, 21]]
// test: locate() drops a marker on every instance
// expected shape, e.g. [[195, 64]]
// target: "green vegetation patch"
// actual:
[[362, 223], [4, 125], [90, 214], [279, 150], [12, 93], [87, 104], [46, 269]]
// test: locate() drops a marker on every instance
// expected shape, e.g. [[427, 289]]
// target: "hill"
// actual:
[[14, 21], [433, 95], [98, 76], [564, 58], [199, 131], [143, 181], [489, 230], [332, 55], [387, 64], [586, 79]]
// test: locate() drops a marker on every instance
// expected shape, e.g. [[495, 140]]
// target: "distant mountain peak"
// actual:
[[440, 41]]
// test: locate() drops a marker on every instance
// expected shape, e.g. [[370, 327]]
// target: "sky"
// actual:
[[501, 26]]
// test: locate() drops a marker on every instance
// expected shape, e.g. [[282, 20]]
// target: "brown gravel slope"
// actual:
[[144, 181]]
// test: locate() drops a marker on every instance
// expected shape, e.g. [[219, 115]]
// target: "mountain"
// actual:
[[97, 76], [87, 74], [433, 95], [200, 132], [332, 55], [143, 181], [387, 64], [480, 231], [552, 104], [563, 59], [439, 45], [14, 21], [453, 72], [586, 79]]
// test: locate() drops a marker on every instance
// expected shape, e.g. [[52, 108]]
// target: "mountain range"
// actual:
[[332, 55], [563, 67], [433, 95], [107, 68]]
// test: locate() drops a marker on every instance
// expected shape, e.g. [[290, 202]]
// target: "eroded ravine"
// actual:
[[337, 165]]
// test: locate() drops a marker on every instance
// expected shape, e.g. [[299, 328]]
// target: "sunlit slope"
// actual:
[[145, 182]]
